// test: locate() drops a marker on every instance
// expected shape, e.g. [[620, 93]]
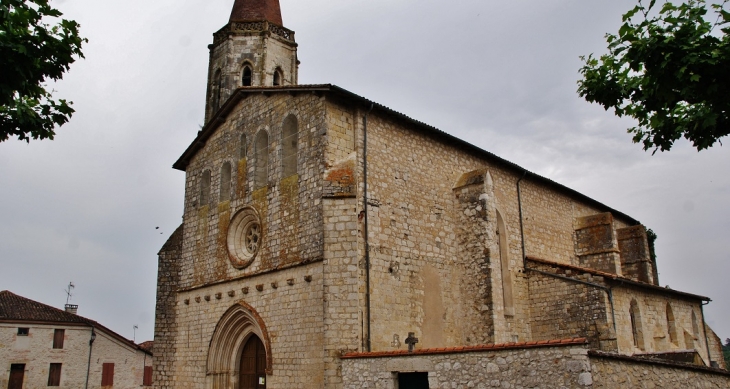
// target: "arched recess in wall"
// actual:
[[217, 89], [233, 330], [507, 292], [204, 198], [242, 145], [225, 194], [290, 146], [636, 328], [261, 152], [671, 325], [246, 74], [278, 77], [690, 340], [695, 326]]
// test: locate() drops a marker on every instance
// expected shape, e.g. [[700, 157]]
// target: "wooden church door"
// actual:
[[253, 365]]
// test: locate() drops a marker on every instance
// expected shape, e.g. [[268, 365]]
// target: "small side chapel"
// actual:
[[332, 242]]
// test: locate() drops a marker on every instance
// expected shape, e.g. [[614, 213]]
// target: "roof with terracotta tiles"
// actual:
[[148, 345], [617, 278], [256, 10], [15, 308], [470, 349]]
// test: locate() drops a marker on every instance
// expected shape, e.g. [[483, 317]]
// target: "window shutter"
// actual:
[[147, 381], [54, 374], [107, 374], [58, 338]]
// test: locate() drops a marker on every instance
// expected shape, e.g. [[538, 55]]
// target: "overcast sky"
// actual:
[[500, 74]]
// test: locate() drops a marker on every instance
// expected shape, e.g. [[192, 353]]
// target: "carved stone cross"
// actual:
[[411, 341]]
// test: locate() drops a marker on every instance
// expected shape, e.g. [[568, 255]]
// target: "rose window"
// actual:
[[245, 234]]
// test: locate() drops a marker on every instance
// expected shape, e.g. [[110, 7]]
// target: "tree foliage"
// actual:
[[668, 68], [31, 53]]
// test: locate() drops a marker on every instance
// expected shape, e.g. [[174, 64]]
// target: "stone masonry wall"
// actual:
[[168, 276], [616, 372], [261, 51], [715, 344], [343, 327], [290, 207], [636, 261], [595, 243], [652, 322], [415, 253], [479, 257], [553, 367], [289, 303], [565, 309]]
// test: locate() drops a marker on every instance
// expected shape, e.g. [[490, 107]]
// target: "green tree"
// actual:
[[31, 53], [668, 69]]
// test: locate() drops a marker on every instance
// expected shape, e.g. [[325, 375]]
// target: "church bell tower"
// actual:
[[253, 50]]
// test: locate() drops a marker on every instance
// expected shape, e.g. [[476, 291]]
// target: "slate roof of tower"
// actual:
[[256, 10]]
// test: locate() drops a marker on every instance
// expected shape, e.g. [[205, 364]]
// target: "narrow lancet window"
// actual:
[[218, 85], [671, 326], [242, 147], [636, 328], [507, 293], [262, 159], [246, 76], [290, 146], [695, 327]]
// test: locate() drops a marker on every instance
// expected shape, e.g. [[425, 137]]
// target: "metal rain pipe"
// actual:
[[88, 364], [365, 209]]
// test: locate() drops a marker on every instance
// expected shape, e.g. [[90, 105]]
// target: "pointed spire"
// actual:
[[255, 10]]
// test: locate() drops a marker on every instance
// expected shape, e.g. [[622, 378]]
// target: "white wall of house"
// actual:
[[37, 353]]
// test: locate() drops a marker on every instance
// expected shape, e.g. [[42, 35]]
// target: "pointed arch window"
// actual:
[[261, 152], [205, 188], [636, 329], [246, 76], [671, 325], [243, 144], [278, 77], [225, 194], [290, 146], [507, 293], [695, 326], [218, 86]]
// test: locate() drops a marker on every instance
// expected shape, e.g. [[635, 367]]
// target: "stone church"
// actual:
[[331, 242]]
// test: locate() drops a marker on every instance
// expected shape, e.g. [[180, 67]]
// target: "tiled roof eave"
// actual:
[[469, 349], [616, 279]]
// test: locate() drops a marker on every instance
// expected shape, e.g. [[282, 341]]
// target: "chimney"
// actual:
[[72, 308]]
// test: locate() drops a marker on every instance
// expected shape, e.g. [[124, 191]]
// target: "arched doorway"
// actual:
[[252, 373], [240, 354]]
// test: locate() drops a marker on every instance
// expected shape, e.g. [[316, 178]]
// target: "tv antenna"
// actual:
[[134, 337], [68, 291]]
